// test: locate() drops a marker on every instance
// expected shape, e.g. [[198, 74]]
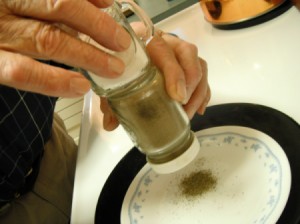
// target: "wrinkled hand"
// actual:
[[185, 74], [47, 30]]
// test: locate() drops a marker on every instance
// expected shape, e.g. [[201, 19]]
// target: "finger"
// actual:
[[27, 74], [187, 56], [200, 96], [198, 101], [44, 41], [202, 108], [110, 122], [204, 68], [81, 15], [163, 57]]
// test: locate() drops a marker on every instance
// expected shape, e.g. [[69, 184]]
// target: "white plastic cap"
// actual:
[[180, 162]]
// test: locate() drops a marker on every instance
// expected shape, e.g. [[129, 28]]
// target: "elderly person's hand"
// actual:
[[185, 74], [47, 30]]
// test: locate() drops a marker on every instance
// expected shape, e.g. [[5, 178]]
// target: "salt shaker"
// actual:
[[157, 124]]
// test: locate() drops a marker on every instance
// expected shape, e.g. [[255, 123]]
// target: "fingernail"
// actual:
[[116, 66], [181, 90], [106, 121], [109, 122], [123, 38], [79, 85], [190, 114], [202, 109]]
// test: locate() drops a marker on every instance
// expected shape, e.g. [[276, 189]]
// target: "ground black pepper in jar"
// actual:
[[156, 123]]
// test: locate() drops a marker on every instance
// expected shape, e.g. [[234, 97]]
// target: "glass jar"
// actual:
[[156, 124]]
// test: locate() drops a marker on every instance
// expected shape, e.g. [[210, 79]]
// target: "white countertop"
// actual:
[[259, 64]]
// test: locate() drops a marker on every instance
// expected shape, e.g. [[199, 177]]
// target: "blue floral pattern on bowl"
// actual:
[[145, 197]]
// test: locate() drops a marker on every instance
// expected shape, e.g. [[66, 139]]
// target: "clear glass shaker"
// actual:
[[157, 124]]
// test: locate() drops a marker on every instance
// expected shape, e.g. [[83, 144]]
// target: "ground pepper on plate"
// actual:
[[198, 183]]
